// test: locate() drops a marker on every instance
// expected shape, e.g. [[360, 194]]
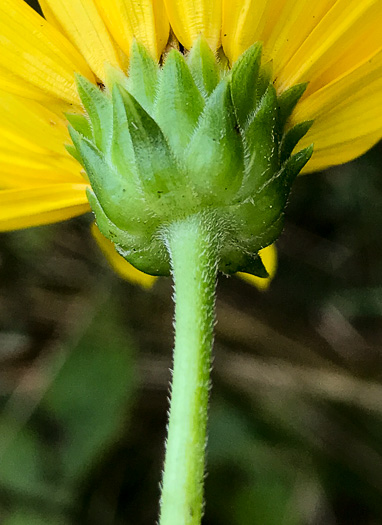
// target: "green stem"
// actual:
[[193, 246]]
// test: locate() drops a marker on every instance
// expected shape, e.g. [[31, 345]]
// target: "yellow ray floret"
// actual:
[[269, 257], [32, 149], [41, 205], [25, 117], [145, 20], [34, 52], [296, 19], [29, 172], [191, 18], [324, 55], [247, 22], [29, 168], [346, 122], [85, 28]]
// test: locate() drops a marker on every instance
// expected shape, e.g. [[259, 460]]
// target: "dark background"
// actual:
[[296, 410]]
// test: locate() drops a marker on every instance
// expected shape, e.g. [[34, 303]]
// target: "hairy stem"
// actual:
[[193, 245]]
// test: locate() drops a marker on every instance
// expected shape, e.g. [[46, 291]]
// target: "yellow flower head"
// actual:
[[333, 45]]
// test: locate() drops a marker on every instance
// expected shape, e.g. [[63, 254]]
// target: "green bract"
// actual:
[[189, 137]]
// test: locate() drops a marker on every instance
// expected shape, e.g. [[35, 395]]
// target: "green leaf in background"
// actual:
[[91, 395], [27, 517], [85, 408], [262, 476]]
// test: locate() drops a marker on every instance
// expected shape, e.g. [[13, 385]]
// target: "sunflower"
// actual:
[[334, 46], [183, 123]]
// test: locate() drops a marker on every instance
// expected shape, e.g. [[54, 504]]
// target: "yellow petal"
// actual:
[[21, 152], [49, 15], [35, 53], [24, 176], [341, 153], [346, 113], [43, 205], [348, 122], [32, 145], [350, 86], [119, 264], [269, 258], [25, 169], [191, 18], [23, 163], [346, 36], [83, 25], [295, 20], [245, 22], [11, 83], [145, 20], [33, 122], [21, 166]]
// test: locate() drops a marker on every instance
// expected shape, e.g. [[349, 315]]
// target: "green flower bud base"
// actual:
[[190, 166], [168, 142]]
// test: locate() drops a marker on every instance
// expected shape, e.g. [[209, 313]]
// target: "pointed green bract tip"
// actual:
[[245, 73], [189, 137], [204, 67], [114, 76], [288, 100]]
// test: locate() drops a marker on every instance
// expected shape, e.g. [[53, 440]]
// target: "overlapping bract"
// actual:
[[189, 137]]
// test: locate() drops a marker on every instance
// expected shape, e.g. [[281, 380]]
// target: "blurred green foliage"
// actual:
[[54, 433]]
